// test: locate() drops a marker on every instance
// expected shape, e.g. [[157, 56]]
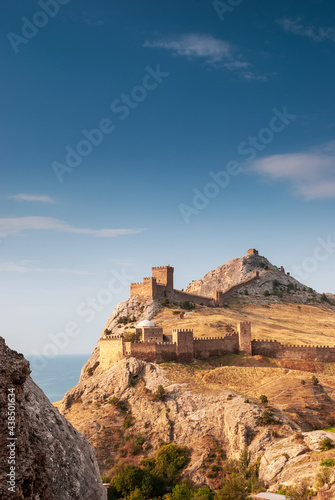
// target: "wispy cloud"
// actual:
[[310, 173], [31, 198], [206, 47], [26, 266], [298, 28], [16, 225], [213, 51]]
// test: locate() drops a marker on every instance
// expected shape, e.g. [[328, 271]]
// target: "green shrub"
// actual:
[[139, 440], [181, 492], [263, 399], [324, 298], [132, 337], [266, 293], [314, 380], [175, 312], [303, 382], [267, 419], [170, 460], [326, 444], [92, 369], [113, 401], [187, 305], [160, 394], [124, 320], [322, 477], [327, 462], [128, 422], [165, 302]]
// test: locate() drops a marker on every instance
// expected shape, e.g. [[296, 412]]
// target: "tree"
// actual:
[[181, 492], [170, 460], [233, 488]]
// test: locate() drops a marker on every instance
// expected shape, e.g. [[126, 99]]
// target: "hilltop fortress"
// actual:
[[160, 285], [180, 345]]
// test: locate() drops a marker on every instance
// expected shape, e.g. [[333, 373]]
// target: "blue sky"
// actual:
[[153, 133]]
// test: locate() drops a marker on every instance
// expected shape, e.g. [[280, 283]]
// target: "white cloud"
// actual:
[[16, 225], [31, 197], [212, 50], [317, 34], [25, 266], [311, 173]]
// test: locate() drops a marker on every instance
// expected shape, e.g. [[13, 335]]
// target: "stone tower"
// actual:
[[184, 345], [164, 276], [244, 338]]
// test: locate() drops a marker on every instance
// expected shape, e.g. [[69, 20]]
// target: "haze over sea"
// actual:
[[58, 375]]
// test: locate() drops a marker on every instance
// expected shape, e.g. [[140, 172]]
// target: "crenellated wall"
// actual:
[[184, 347], [144, 350], [166, 351], [215, 346], [274, 349]]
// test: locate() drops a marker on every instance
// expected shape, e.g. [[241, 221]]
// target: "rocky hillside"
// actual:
[[51, 458], [134, 309], [273, 280], [120, 414]]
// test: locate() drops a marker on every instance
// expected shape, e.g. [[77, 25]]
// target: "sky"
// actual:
[[137, 134]]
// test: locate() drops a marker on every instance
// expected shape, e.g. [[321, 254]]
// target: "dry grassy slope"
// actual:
[[287, 323]]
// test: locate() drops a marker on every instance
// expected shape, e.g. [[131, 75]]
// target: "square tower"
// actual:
[[184, 345], [252, 251], [164, 276], [244, 338]]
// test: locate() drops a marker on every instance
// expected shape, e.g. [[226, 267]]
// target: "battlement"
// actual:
[[162, 267], [182, 330], [252, 251], [110, 339]]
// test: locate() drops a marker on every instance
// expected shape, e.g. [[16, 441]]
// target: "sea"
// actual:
[[57, 375]]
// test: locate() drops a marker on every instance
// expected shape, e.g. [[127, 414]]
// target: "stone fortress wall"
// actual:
[[182, 346], [160, 285]]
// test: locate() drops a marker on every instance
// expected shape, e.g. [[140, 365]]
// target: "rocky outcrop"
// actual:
[[42, 455], [293, 459], [191, 416], [272, 280], [136, 309]]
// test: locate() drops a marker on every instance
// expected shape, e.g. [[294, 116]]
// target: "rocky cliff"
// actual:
[[272, 280], [41, 455], [118, 411]]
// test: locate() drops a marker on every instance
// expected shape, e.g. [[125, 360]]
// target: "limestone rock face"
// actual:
[[292, 460], [186, 417], [238, 271], [137, 308], [192, 416], [52, 460]]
